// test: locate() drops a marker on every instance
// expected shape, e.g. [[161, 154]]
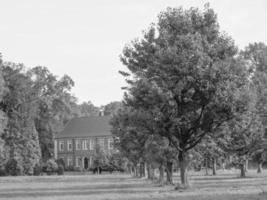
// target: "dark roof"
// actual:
[[87, 126]]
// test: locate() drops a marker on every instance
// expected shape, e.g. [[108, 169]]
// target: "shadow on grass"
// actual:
[[83, 188], [61, 193]]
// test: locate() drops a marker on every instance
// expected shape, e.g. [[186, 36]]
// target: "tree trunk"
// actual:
[[152, 171], [259, 168], [148, 167], [243, 170], [214, 169], [130, 170], [142, 169], [183, 170], [169, 180], [223, 165], [135, 171], [206, 167], [161, 174], [246, 165]]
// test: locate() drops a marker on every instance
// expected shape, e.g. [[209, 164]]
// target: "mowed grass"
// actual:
[[225, 186]]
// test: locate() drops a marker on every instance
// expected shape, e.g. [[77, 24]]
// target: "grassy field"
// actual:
[[224, 186]]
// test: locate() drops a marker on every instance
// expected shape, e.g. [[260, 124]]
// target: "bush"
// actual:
[[78, 169], [50, 167], [37, 170], [69, 168], [61, 162], [60, 170], [2, 172], [13, 168]]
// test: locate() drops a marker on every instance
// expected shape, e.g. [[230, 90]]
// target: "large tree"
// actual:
[[135, 139], [256, 56], [3, 119], [185, 73], [19, 105], [53, 102]]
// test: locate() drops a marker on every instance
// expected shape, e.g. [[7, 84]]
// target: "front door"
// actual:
[[86, 163]]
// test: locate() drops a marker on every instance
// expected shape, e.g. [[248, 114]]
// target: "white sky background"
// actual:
[[84, 38]]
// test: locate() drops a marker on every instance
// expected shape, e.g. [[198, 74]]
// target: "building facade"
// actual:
[[78, 142]]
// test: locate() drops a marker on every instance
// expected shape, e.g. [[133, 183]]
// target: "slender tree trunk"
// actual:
[[169, 173], [135, 171], [152, 171], [161, 174], [148, 168], [183, 170], [129, 170], [259, 171], [214, 166], [246, 165], [142, 169], [243, 170], [223, 165], [206, 166]]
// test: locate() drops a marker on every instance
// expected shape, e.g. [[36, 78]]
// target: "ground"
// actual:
[[225, 186]]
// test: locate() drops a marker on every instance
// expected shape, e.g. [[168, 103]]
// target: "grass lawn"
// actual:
[[225, 186]]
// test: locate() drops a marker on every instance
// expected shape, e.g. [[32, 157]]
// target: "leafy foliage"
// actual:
[[184, 74]]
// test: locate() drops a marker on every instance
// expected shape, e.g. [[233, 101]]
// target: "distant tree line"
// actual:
[[35, 105], [192, 98]]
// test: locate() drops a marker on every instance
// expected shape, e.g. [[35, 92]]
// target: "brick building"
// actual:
[[77, 143]]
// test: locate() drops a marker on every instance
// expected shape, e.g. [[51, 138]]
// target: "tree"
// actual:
[[20, 136], [134, 130], [184, 72], [256, 57], [209, 150], [245, 138], [53, 106], [112, 108], [88, 109], [129, 138], [3, 120]]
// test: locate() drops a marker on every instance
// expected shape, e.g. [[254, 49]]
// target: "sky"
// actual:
[[84, 38]]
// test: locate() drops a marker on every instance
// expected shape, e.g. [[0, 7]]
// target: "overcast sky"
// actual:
[[84, 38]]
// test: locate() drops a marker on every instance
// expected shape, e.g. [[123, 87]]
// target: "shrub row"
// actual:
[[50, 167]]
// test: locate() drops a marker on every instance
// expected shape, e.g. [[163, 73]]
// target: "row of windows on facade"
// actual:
[[85, 144], [78, 161]]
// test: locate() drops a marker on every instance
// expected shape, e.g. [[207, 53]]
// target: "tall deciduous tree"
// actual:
[[242, 138], [88, 109], [19, 105], [112, 108], [3, 119], [53, 105], [190, 67], [256, 57]]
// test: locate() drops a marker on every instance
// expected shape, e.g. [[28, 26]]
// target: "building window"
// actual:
[[101, 142], [78, 162], [78, 144], [91, 144], [110, 143], [69, 145], [69, 161], [61, 145], [85, 144]]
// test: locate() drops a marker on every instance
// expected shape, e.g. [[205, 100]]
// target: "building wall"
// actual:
[[80, 149]]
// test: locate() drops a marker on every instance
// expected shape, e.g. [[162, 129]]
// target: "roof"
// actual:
[[86, 126]]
